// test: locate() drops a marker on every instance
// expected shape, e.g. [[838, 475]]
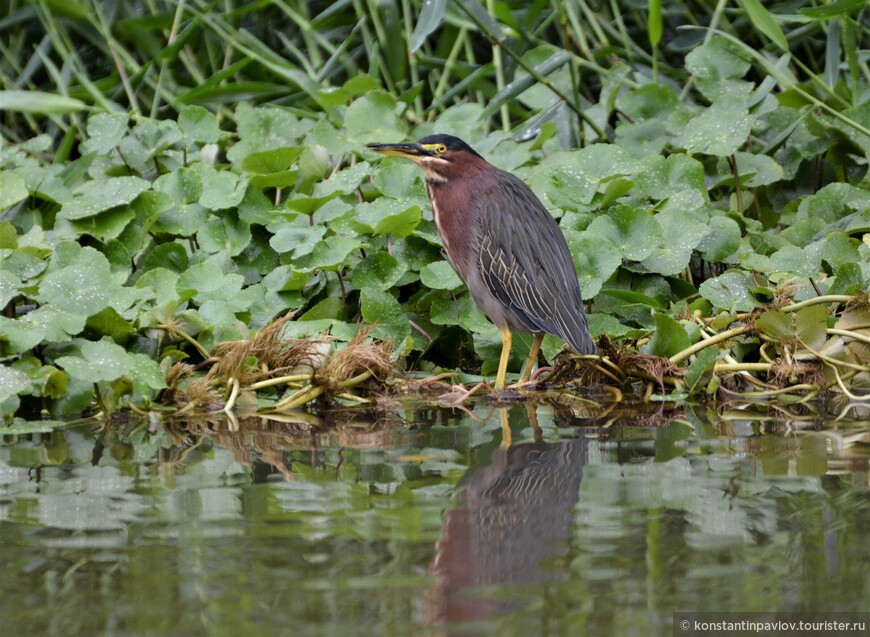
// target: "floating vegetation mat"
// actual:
[[793, 352]]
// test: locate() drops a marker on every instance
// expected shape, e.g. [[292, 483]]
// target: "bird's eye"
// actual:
[[441, 149]]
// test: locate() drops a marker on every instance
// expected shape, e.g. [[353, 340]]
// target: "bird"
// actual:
[[504, 244], [515, 523]]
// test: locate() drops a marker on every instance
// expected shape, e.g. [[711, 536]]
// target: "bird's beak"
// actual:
[[408, 151]]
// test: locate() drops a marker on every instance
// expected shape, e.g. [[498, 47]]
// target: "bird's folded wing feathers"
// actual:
[[525, 264]]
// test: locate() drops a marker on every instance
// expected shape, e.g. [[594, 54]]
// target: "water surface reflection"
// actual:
[[512, 523], [425, 522]]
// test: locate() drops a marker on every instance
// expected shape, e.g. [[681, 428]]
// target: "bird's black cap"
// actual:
[[452, 143]]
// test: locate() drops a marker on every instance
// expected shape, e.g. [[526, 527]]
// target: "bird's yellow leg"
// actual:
[[505, 355], [506, 436], [531, 360]]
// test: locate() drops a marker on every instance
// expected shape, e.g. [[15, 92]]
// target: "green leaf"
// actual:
[[268, 162], [648, 102], [718, 59], [776, 324], [9, 283], [100, 360], [440, 275], [373, 118], [109, 323], [835, 203], [310, 205], [348, 179], [101, 194], [756, 170], [171, 256], [12, 382], [329, 308], [296, 241], [163, 283], [838, 249], [360, 84], [179, 193], [220, 189], [39, 103], [381, 310], [331, 253], [379, 270], [229, 235], [811, 324], [720, 129], [399, 179], [265, 128], [84, 287], [8, 236], [146, 371], [207, 282], [849, 280], [633, 231], [670, 337], [56, 325], [595, 259], [19, 336], [793, 261], [634, 298], [105, 225], [105, 132], [560, 182], [730, 291], [722, 241], [681, 234], [387, 216], [611, 327], [106, 361], [56, 384], [184, 185], [461, 311], [661, 178], [12, 189], [284, 279], [199, 124], [699, 372], [314, 167]]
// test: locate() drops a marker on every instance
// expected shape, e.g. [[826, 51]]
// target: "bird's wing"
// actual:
[[525, 262]]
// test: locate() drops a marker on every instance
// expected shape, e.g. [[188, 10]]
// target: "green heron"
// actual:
[[503, 243], [514, 523]]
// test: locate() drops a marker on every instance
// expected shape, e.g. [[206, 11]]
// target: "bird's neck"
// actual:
[[432, 176]]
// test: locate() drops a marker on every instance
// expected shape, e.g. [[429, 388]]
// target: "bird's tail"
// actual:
[[578, 337]]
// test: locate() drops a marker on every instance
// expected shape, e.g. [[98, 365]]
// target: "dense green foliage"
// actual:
[[176, 177]]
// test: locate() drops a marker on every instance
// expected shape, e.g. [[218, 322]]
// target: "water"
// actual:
[[427, 523]]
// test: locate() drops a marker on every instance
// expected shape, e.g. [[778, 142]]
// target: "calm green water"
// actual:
[[424, 523]]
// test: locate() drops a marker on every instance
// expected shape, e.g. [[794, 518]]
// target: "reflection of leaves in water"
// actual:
[[354, 502]]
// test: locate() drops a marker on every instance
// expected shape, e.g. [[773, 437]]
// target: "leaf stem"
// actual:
[[707, 342]]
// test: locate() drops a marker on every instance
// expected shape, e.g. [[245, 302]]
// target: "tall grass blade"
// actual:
[[40, 103], [832, 53], [765, 22], [431, 17]]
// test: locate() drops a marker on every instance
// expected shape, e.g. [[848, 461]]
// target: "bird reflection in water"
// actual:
[[511, 525]]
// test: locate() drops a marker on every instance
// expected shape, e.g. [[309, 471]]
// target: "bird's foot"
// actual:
[[529, 383]]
